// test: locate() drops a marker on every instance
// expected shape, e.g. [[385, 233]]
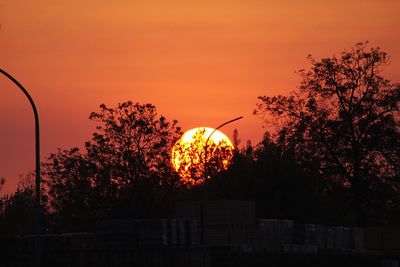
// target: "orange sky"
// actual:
[[200, 62]]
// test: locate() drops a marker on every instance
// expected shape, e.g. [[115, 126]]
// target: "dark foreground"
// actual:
[[196, 257]]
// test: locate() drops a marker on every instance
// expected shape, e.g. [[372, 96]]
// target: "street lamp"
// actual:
[[202, 211], [208, 139], [37, 163]]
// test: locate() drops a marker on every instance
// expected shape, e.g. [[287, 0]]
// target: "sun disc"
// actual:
[[189, 155]]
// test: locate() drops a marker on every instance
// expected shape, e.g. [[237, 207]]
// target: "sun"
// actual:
[[190, 151]]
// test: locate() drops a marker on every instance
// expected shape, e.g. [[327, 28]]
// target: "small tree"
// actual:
[[17, 212], [343, 122]]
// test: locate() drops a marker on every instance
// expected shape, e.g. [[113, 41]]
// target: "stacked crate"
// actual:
[[299, 249], [311, 236], [272, 234], [357, 239], [81, 240], [305, 234], [343, 238], [49, 242], [188, 233], [330, 238], [155, 233], [148, 233], [227, 222], [117, 234]]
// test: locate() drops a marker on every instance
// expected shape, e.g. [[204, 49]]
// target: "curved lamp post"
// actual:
[[37, 163], [208, 139], [202, 210]]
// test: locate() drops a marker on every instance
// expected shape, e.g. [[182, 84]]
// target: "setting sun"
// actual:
[[191, 153]]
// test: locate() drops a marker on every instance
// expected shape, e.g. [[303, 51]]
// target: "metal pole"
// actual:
[[37, 163], [202, 210]]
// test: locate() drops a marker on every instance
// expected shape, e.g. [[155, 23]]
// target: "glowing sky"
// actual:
[[200, 62]]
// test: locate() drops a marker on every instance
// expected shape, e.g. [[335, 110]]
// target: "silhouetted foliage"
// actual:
[[17, 212], [333, 158], [124, 171], [199, 158], [273, 178], [134, 141], [343, 123]]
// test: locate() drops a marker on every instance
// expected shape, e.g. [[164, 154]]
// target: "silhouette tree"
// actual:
[[125, 169], [343, 123], [133, 142], [76, 194], [270, 175], [17, 213]]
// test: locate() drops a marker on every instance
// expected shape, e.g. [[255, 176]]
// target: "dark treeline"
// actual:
[[330, 155]]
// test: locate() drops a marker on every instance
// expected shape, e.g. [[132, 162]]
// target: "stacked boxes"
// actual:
[[227, 222], [320, 236], [117, 234], [149, 233], [300, 249], [343, 238], [187, 233], [81, 240], [155, 233], [217, 236], [168, 232], [329, 237], [306, 234], [273, 234], [309, 238], [357, 238]]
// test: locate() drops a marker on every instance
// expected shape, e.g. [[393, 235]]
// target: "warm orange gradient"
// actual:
[[200, 62], [189, 153]]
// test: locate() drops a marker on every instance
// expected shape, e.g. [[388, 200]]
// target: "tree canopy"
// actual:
[[330, 156], [343, 123], [124, 170]]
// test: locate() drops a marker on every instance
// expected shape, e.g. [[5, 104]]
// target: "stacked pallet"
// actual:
[[117, 234], [227, 223], [81, 240], [149, 233], [272, 235]]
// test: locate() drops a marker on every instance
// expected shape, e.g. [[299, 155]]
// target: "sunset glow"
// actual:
[[189, 152], [198, 62]]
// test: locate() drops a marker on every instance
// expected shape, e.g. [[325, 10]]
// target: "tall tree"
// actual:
[[343, 122], [133, 142], [124, 170]]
